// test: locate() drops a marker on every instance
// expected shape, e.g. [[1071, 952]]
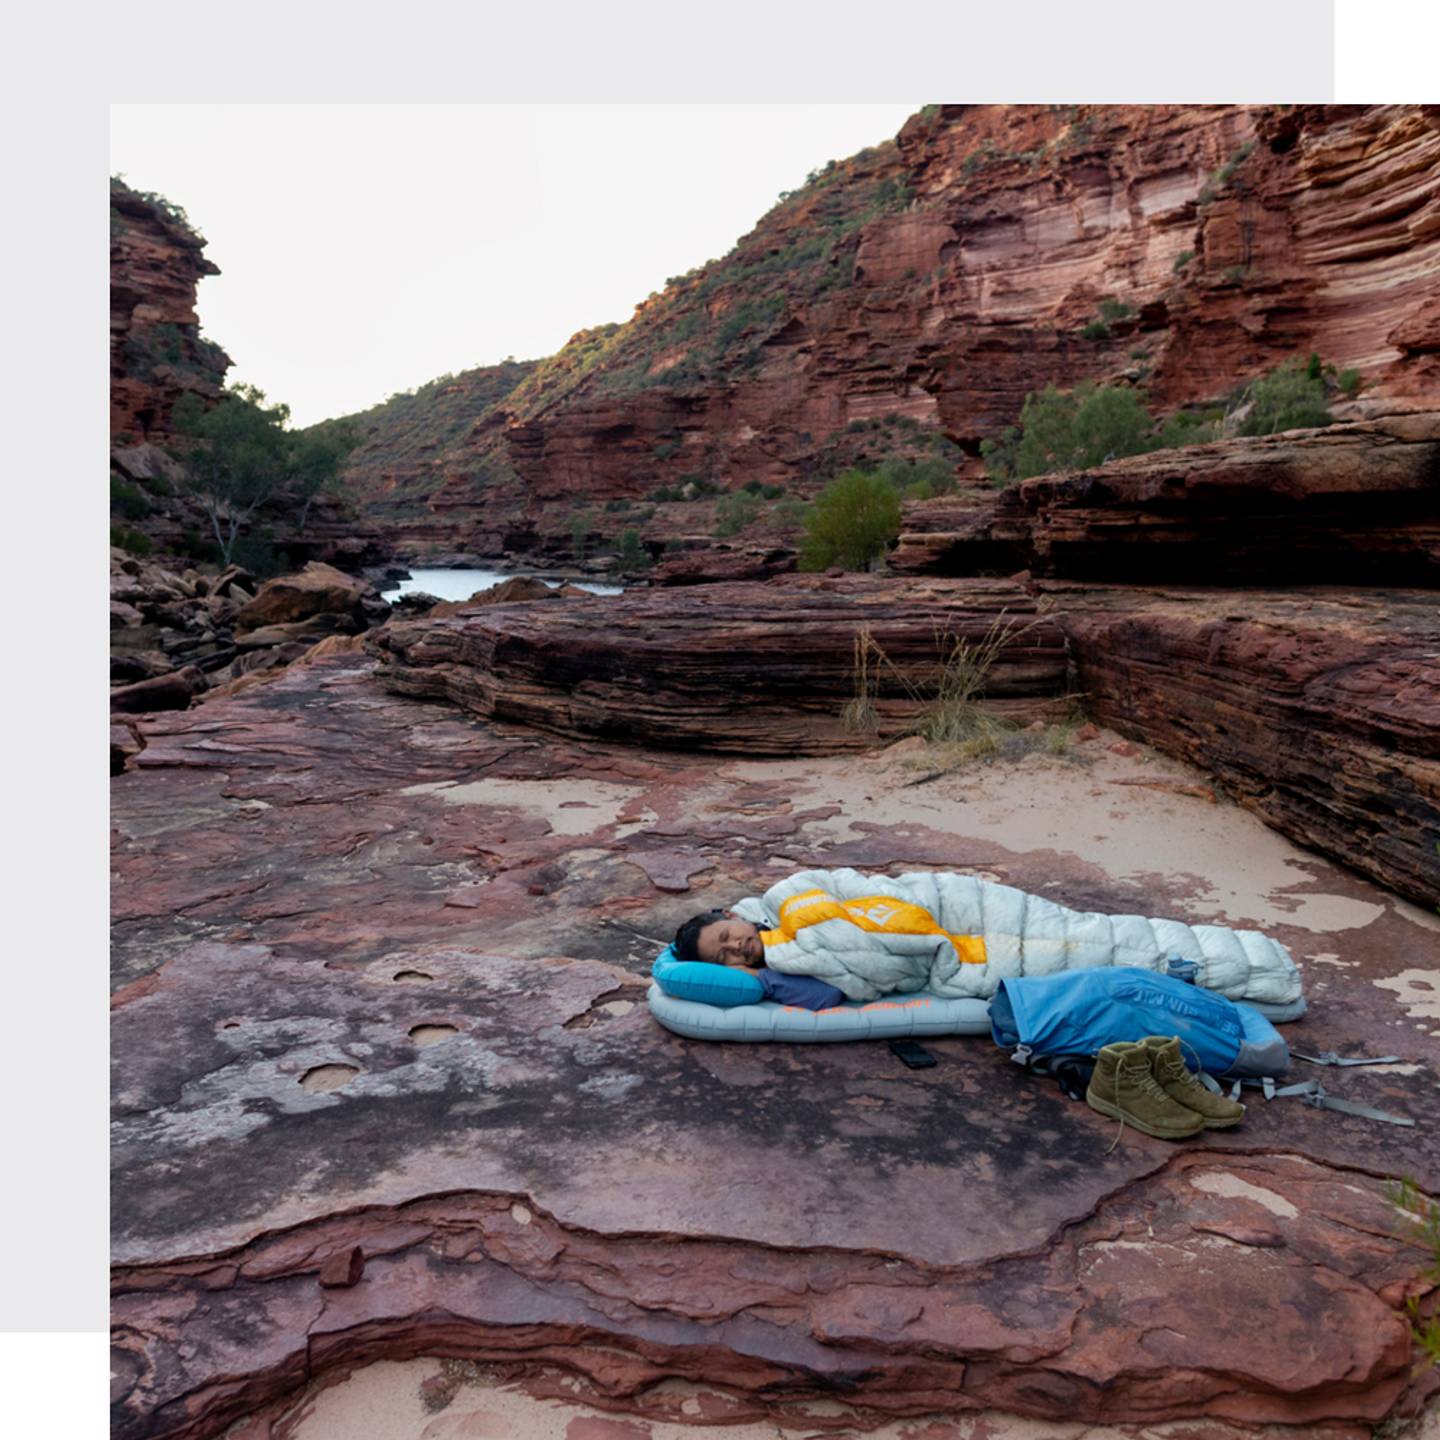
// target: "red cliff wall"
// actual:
[[156, 353], [938, 278]]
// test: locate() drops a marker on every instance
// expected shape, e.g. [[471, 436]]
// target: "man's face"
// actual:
[[730, 942]]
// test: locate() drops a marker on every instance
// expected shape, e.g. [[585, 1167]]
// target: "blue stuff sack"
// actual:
[[709, 984], [1079, 1012]]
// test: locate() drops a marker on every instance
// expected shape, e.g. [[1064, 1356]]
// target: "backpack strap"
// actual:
[[1329, 1057], [1313, 1094]]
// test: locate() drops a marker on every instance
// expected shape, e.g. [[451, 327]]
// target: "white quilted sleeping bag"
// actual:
[[863, 953]]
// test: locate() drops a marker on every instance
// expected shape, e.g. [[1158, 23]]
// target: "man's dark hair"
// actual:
[[687, 937]]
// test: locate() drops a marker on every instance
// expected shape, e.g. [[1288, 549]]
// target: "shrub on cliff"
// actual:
[[735, 511], [1290, 398], [1071, 430], [632, 556], [239, 454], [126, 500], [852, 522], [919, 479]]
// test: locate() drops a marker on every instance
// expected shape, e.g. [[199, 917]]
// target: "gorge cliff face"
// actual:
[[904, 302], [156, 352]]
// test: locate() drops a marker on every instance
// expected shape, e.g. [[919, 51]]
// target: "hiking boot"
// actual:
[[1124, 1089], [1167, 1065]]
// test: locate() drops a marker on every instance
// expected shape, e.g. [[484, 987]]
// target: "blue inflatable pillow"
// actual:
[[709, 984]]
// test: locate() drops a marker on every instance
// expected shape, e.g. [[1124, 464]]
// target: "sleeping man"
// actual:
[[848, 935], [721, 939]]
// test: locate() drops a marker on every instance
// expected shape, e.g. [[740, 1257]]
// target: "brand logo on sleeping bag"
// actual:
[[878, 914]]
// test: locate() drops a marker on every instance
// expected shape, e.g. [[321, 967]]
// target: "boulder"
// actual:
[[231, 579], [125, 741], [147, 462], [415, 602], [515, 590], [317, 627], [173, 691], [318, 589], [721, 562], [127, 666]]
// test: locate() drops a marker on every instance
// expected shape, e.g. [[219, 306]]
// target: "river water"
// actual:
[[462, 584]]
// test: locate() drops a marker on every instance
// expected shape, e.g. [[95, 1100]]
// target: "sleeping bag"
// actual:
[[956, 936]]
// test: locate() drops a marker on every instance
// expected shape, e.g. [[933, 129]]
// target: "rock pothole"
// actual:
[[411, 977], [328, 1077], [432, 1034]]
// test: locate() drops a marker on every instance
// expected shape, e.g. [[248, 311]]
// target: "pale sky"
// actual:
[[369, 248]]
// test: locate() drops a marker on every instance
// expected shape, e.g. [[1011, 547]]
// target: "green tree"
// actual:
[[1290, 398], [852, 521], [319, 457], [1072, 430], [241, 454]]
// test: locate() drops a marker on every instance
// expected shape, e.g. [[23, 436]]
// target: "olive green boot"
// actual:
[[1167, 1065], [1123, 1088]]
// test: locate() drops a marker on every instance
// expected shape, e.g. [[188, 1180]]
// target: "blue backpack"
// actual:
[[1078, 1012]]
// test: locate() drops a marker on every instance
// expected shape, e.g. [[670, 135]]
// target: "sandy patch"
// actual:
[[1243, 873], [1418, 991], [570, 806], [1232, 1187], [385, 1401]]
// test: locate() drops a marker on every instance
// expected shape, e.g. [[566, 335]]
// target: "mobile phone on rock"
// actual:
[[912, 1054]]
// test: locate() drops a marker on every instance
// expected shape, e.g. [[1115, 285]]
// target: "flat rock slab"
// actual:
[[380, 975], [1352, 504], [755, 668]]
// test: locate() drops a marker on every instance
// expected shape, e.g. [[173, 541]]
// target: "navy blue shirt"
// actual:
[[803, 990]]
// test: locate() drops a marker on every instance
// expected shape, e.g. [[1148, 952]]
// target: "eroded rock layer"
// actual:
[[1353, 504], [765, 668], [1317, 709], [364, 1107]]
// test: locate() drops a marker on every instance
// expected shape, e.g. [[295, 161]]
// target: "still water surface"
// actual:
[[462, 584]]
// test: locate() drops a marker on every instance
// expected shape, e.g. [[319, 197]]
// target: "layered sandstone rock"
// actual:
[[315, 877], [156, 353], [1317, 709], [764, 668], [1355, 503]]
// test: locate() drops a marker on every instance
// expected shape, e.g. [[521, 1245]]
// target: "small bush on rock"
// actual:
[[132, 541], [126, 500], [734, 512], [852, 522], [633, 556], [1071, 430], [1290, 398]]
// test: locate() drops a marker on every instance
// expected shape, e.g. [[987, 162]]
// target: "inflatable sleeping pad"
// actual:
[[716, 1002]]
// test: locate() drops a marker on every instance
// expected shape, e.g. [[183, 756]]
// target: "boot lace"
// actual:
[[1143, 1081]]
